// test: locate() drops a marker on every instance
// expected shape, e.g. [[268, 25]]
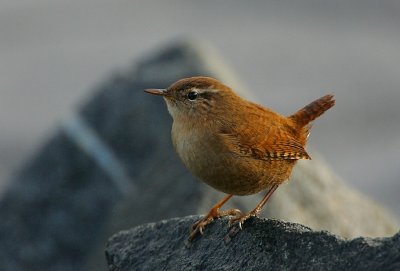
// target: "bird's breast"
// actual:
[[191, 144]]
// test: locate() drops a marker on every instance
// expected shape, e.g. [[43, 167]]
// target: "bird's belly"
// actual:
[[230, 173], [245, 176], [227, 171]]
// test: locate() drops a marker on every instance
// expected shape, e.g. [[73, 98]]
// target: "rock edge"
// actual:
[[263, 244]]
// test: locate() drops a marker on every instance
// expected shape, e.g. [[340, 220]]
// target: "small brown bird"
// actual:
[[236, 146]]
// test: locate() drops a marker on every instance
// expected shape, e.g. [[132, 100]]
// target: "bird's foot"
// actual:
[[240, 219], [199, 226]]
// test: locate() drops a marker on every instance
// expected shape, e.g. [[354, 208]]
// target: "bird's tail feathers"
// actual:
[[313, 110]]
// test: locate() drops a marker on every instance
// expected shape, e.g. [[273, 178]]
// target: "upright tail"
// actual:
[[312, 111]]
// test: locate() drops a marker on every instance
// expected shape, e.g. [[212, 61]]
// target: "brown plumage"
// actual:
[[234, 145]]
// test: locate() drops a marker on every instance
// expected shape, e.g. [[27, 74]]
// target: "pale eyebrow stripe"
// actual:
[[211, 90]]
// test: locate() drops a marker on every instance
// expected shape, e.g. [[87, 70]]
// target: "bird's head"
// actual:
[[194, 97]]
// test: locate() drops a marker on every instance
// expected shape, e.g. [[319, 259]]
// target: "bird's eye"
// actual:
[[192, 95]]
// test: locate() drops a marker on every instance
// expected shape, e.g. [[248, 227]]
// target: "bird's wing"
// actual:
[[275, 142]]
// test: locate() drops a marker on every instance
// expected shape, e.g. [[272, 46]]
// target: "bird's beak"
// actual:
[[159, 92]]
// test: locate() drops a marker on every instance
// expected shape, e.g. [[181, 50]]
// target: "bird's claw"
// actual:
[[200, 225], [232, 220], [239, 220], [201, 230]]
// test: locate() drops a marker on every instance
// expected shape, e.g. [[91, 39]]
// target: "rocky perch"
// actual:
[[263, 244]]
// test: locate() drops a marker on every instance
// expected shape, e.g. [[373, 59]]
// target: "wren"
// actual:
[[234, 145]]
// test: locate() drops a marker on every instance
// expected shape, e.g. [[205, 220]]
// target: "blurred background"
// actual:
[[287, 52]]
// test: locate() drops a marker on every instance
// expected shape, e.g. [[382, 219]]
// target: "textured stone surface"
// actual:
[[261, 245], [63, 205]]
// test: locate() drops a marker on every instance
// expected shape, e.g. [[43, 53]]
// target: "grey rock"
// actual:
[[261, 245], [112, 166]]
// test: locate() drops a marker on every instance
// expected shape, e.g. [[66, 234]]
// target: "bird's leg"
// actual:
[[199, 226], [255, 212]]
